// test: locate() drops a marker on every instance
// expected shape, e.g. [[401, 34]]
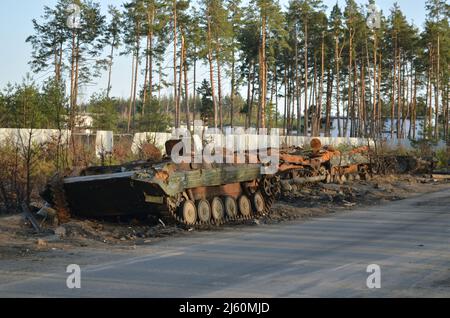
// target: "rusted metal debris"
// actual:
[[199, 194]]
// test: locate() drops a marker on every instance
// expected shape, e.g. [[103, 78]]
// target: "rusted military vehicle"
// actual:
[[322, 164], [176, 193], [201, 194], [197, 194]]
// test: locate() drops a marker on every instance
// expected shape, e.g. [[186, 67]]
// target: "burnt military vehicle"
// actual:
[[188, 194]]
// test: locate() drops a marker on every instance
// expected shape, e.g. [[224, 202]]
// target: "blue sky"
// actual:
[[16, 26]]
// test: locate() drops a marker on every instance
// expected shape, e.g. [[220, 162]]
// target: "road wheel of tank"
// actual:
[[259, 204], [218, 210], [245, 206], [267, 186], [231, 208], [189, 213], [204, 211], [329, 179], [342, 179], [335, 178], [324, 172]]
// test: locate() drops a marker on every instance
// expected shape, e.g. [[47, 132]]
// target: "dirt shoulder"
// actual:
[[18, 240], [322, 199]]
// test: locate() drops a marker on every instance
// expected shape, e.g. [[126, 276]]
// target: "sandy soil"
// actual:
[[18, 239]]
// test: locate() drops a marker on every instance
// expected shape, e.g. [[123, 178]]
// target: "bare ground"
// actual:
[[18, 240]]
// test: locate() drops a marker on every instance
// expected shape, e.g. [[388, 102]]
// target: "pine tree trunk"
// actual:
[[233, 82], [285, 100], [194, 91], [211, 71], [314, 99], [330, 84], [262, 69], [252, 99], [375, 81], [247, 117], [130, 106], [362, 103], [427, 105], [160, 85], [180, 80], [355, 95], [77, 74], [338, 88], [186, 88], [144, 98], [319, 107], [276, 96], [72, 76], [447, 132], [297, 85], [136, 72], [436, 94], [380, 106], [108, 90], [399, 95], [414, 107], [289, 93], [306, 81], [394, 80], [349, 98], [175, 86], [219, 88]]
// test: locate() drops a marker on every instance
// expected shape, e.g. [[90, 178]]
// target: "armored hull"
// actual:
[[174, 193]]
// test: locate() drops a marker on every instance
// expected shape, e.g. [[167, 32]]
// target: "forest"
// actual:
[[293, 67]]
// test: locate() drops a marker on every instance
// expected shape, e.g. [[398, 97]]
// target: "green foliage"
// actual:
[[145, 30], [3, 112], [104, 110], [207, 108], [113, 31], [27, 106], [54, 105], [443, 157], [155, 119], [52, 41]]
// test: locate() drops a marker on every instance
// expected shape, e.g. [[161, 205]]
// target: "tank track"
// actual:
[[270, 188], [169, 213]]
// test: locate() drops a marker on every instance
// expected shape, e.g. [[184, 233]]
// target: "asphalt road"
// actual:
[[325, 257]]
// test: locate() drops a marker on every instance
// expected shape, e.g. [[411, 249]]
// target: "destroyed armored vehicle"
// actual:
[[322, 164], [198, 194], [181, 193]]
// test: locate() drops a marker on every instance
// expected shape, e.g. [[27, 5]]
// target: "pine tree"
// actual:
[[112, 39]]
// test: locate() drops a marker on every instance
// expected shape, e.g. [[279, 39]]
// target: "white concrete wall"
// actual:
[[242, 139], [104, 143], [21, 137]]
